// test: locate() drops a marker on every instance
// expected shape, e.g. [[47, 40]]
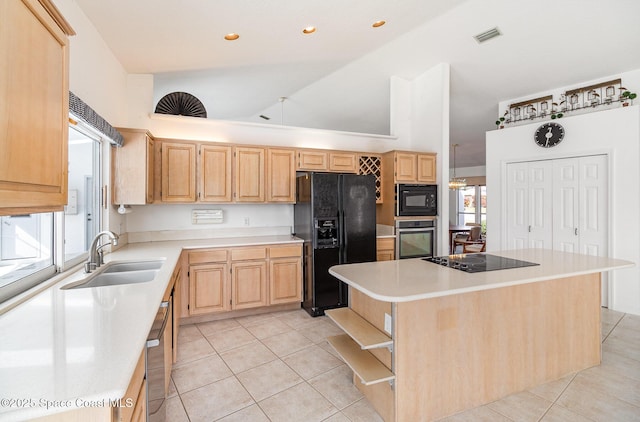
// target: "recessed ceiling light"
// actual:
[[231, 36], [378, 24], [309, 30]]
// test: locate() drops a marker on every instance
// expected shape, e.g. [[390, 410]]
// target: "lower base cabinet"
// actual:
[[208, 288], [248, 284], [134, 402], [385, 249], [226, 279], [284, 280]]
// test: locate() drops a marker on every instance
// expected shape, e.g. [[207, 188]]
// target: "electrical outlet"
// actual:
[[387, 323], [246, 221]]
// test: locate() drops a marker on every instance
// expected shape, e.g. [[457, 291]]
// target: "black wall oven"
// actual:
[[415, 238], [416, 200]]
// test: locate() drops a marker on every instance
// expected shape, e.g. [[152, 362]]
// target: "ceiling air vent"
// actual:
[[181, 104], [487, 35]]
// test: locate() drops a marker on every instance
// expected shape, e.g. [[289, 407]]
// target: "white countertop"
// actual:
[[414, 279], [79, 345]]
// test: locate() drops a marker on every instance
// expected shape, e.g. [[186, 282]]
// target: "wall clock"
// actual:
[[549, 135]]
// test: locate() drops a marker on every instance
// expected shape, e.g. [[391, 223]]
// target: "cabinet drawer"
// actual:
[[248, 253], [386, 243], [199, 257], [285, 251]]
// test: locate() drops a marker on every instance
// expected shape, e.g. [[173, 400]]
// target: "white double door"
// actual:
[[559, 204]]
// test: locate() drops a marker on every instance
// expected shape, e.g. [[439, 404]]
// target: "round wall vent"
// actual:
[[181, 104]]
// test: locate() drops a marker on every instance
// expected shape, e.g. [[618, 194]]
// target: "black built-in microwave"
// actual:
[[416, 200]]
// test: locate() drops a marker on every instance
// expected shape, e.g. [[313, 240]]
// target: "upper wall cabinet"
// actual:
[[178, 172], [281, 175], [249, 180], [214, 168], [132, 171], [34, 106], [412, 167], [332, 161]]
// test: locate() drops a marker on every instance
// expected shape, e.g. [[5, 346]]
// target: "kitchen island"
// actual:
[[427, 341]]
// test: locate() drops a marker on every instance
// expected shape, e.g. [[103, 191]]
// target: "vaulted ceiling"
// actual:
[[338, 77]]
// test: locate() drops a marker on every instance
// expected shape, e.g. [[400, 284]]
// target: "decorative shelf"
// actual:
[[369, 369], [361, 331]]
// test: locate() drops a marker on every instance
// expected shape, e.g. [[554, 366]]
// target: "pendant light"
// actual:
[[455, 182]]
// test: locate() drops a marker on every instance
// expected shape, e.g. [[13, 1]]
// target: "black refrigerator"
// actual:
[[335, 214]]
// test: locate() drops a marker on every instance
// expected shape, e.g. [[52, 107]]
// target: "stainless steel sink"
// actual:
[[118, 267], [118, 273]]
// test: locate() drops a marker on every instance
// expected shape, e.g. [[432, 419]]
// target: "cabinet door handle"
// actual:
[[529, 229], [575, 231]]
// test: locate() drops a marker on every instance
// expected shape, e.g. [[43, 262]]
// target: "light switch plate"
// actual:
[[387, 323]]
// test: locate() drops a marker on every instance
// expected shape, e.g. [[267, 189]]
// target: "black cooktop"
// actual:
[[478, 262]]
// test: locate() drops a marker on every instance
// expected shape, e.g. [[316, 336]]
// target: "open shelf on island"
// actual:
[[365, 335], [369, 369]]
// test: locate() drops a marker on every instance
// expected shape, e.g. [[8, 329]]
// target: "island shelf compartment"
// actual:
[[360, 330], [363, 364], [354, 346], [367, 349]]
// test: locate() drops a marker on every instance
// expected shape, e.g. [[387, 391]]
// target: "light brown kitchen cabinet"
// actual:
[[248, 277], [178, 172], [426, 164], [331, 161], [172, 296], [412, 167], [208, 281], [34, 105], [176, 281], [402, 167], [239, 278], [248, 284], [405, 167], [385, 248], [215, 173], [285, 274], [132, 168], [134, 402], [249, 174], [343, 162], [281, 175], [313, 160]]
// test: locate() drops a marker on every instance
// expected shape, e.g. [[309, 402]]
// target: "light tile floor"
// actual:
[[279, 367]]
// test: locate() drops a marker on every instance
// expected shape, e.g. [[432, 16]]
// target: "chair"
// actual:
[[474, 243], [479, 246], [461, 238]]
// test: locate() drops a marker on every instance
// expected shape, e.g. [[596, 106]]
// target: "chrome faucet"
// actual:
[[95, 254]]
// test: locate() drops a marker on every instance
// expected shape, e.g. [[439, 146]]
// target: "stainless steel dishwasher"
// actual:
[[156, 403]]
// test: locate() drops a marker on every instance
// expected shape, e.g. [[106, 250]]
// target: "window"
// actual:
[[472, 206], [82, 214], [34, 246], [26, 252]]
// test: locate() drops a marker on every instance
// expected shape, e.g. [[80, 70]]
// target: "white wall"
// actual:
[[170, 222], [95, 75], [420, 119], [615, 132]]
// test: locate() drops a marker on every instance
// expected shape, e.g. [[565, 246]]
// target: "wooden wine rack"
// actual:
[[372, 164]]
